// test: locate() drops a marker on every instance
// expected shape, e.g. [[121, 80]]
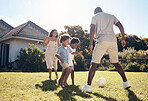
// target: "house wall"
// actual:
[[17, 44]]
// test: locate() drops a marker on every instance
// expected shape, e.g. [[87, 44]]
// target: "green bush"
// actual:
[[112, 69], [131, 55], [31, 59], [123, 65], [133, 67], [105, 62], [144, 67], [80, 62], [101, 68], [59, 66]]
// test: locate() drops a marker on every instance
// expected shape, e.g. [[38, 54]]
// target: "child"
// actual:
[[73, 45], [52, 43], [62, 54]]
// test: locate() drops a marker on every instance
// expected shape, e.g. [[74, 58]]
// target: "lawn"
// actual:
[[34, 87]]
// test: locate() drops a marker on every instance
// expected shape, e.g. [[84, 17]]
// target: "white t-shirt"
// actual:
[[71, 56], [104, 26]]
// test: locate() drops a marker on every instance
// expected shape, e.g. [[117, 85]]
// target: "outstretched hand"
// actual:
[[80, 52], [123, 43], [75, 62]]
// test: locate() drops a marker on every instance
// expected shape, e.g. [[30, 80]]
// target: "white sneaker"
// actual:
[[86, 88], [126, 85]]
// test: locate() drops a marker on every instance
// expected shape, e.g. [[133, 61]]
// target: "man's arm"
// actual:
[[92, 32], [119, 25]]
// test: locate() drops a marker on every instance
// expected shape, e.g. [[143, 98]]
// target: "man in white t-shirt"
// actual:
[[102, 29]]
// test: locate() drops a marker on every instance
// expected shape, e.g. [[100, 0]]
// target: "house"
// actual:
[[13, 39]]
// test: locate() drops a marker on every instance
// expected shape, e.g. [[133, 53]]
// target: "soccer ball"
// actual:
[[101, 82]]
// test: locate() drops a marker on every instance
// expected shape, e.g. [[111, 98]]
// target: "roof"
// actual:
[[4, 28], [27, 30]]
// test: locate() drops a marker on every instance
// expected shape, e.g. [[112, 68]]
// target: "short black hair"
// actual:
[[52, 32], [74, 40], [64, 37]]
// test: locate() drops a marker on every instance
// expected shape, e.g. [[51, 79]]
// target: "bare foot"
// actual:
[[60, 83], [65, 85]]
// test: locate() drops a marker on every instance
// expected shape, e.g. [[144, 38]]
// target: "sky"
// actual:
[[54, 14]]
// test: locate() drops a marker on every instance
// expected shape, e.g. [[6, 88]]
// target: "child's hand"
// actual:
[[75, 62], [80, 52]]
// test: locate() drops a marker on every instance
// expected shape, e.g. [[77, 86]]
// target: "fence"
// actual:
[[140, 61]]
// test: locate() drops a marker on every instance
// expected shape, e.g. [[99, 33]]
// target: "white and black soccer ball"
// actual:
[[101, 82]]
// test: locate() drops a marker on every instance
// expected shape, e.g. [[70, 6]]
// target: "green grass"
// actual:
[[35, 87]]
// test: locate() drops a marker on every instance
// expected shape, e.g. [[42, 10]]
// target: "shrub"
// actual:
[[123, 65], [100, 68], [131, 55], [112, 69], [31, 59], [80, 62], [59, 66], [133, 67], [144, 67], [105, 62]]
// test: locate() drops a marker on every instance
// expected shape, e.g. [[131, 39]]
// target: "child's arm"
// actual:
[[59, 58], [46, 41], [77, 53], [74, 61], [58, 54]]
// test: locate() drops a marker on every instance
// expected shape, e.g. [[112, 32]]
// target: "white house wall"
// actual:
[[17, 44]]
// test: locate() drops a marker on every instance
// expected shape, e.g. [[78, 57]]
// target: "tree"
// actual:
[[83, 35], [146, 41], [131, 41]]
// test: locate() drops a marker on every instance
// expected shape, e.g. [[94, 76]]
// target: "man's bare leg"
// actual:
[[92, 71], [120, 71]]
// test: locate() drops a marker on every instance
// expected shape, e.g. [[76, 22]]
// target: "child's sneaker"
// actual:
[[86, 88], [126, 85]]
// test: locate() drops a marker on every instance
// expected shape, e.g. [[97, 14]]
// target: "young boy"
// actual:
[[73, 45], [62, 54]]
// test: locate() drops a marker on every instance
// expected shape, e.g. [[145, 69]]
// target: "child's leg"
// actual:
[[66, 76], [55, 68], [72, 76], [62, 77], [56, 74], [50, 70]]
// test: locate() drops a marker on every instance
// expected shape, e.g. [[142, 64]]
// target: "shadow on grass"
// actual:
[[48, 85], [105, 98], [68, 93], [132, 96]]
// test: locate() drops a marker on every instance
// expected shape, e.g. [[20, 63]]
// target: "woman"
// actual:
[[52, 43]]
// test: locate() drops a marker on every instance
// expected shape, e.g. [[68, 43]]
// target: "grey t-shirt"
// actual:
[[104, 27]]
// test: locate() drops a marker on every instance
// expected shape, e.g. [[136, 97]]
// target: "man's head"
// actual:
[[97, 10], [74, 42], [65, 39]]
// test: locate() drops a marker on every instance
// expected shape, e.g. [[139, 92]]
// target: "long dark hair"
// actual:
[[52, 32]]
